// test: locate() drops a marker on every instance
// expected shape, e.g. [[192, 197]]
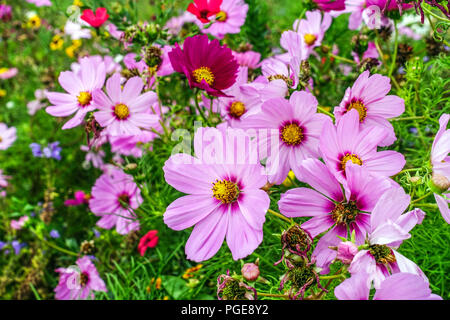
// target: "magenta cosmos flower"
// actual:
[[399, 286], [204, 9], [348, 142], [80, 282], [230, 18], [224, 200], [206, 64], [312, 29], [440, 161], [7, 136], [330, 5], [124, 112], [331, 207], [368, 96], [80, 88], [293, 131], [114, 196], [388, 228]]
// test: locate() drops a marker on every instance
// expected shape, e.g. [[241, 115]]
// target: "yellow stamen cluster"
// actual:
[[203, 73], [84, 278], [84, 98], [237, 109], [282, 77], [34, 22], [382, 254], [221, 16], [358, 106], [344, 213], [310, 39], [225, 191], [121, 111], [292, 134], [350, 157]]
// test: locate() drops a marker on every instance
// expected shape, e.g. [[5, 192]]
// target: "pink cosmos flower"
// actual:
[[330, 5], [388, 228], [440, 161], [7, 73], [175, 24], [35, 105], [150, 240], [295, 127], [349, 143], [40, 3], [399, 286], [93, 156], [229, 19], [204, 9], [124, 112], [18, 224], [249, 59], [80, 89], [331, 207], [3, 179], [80, 198], [312, 29], [371, 52], [129, 145], [206, 64], [368, 96], [280, 75], [224, 198], [7, 136], [114, 196], [79, 283], [110, 65]]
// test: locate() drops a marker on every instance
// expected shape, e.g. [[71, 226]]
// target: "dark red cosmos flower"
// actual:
[[203, 9], [150, 240], [207, 65], [95, 20]]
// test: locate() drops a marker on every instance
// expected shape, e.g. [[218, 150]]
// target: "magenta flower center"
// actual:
[[221, 16], [350, 157], [358, 106], [121, 111], [203, 73], [84, 98], [382, 254], [225, 191], [291, 134], [84, 278], [310, 39], [124, 200], [345, 213], [237, 109]]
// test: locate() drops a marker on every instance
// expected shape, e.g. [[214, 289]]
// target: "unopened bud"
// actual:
[[346, 251], [440, 182], [250, 271]]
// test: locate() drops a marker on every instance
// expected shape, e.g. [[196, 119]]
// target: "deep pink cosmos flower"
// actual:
[[229, 19], [79, 283], [124, 112], [80, 198], [330, 5], [388, 228], [5, 12], [97, 19], [368, 96], [440, 161], [312, 29], [114, 196], [80, 88], [204, 9], [150, 240], [224, 197], [206, 64], [293, 131], [347, 143], [7, 136], [399, 286], [332, 208]]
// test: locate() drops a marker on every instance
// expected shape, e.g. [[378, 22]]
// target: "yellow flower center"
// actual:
[[84, 98], [350, 157], [345, 213], [1, 139], [221, 16], [282, 77], [237, 109], [358, 106], [203, 73], [382, 254], [121, 111], [292, 134], [225, 191], [84, 278], [310, 39]]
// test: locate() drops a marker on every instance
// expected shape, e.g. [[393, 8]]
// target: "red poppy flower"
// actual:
[[203, 9], [150, 240], [95, 20]]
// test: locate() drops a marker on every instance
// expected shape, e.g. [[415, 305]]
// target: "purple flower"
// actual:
[[36, 149], [17, 246], [2, 244], [54, 234]]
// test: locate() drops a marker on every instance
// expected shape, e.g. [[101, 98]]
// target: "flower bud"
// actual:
[[250, 271], [440, 182], [346, 251]]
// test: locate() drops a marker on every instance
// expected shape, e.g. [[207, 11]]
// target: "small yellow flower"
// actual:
[[76, 43], [3, 70], [34, 22], [77, 3], [288, 181], [2, 93], [57, 43], [70, 51]]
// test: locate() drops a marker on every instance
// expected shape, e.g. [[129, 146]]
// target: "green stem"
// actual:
[[262, 294], [394, 58], [325, 111], [54, 246], [342, 58], [422, 197], [279, 215], [433, 14], [408, 118]]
